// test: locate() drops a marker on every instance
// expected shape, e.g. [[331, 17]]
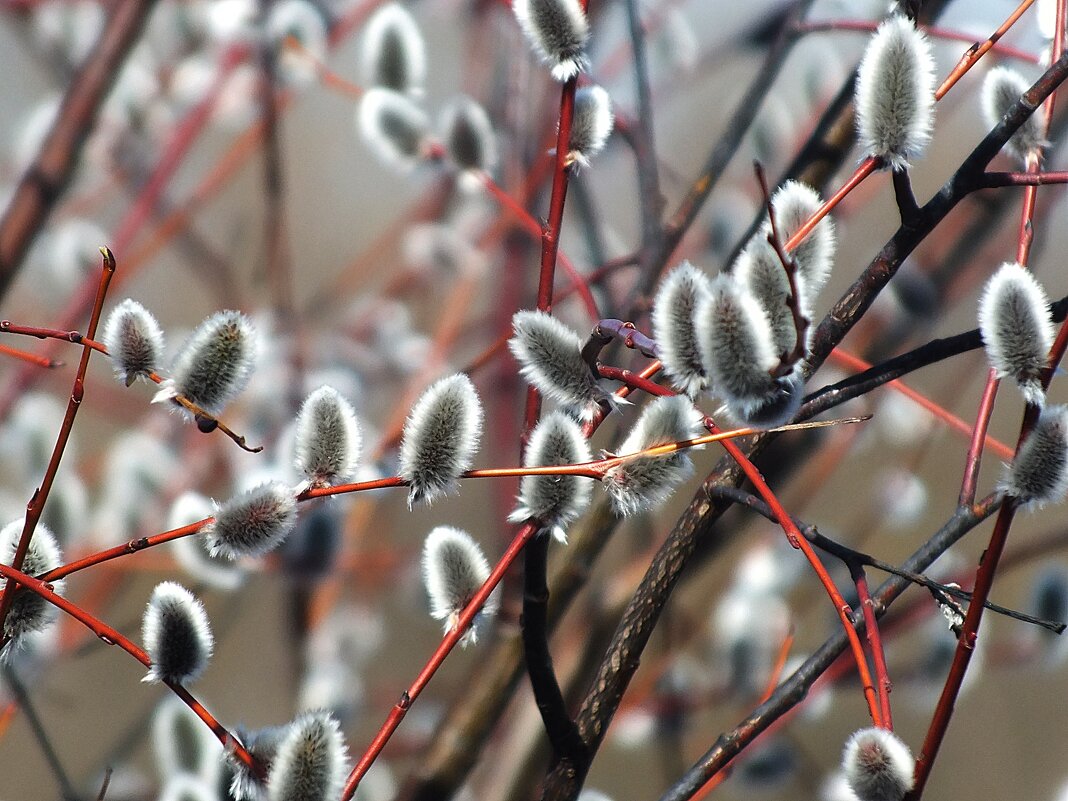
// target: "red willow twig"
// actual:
[[110, 636], [32, 358]]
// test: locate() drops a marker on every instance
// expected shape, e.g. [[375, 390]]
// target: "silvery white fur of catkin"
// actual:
[[253, 523], [794, 203], [134, 341], [263, 745], [557, 31], [182, 743], [555, 501], [440, 437], [327, 438], [550, 358], [214, 364], [647, 481], [1002, 87], [1039, 473], [191, 552], [467, 133], [895, 93], [878, 765], [310, 761], [591, 124], [759, 269], [1017, 328], [676, 302], [306, 24], [393, 126], [454, 568], [176, 635], [29, 612], [394, 53], [737, 347]]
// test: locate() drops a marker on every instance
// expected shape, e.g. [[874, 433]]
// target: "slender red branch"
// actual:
[[979, 437], [978, 50], [633, 380], [875, 643], [866, 168], [32, 358]]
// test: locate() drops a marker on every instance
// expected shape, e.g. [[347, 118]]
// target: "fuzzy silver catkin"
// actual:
[[467, 133], [327, 438], [393, 126], [263, 745], [394, 52], [191, 552], [440, 437], [558, 31], [550, 358], [454, 568], [214, 364], [310, 761], [647, 481], [895, 93], [680, 294], [1002, 87], [555, 501], [591, 124], [176, 635], [1017, 328], [252, 523], [794, 203], [878, 765], [1039, 473], [134, 340], [29, 612], [760, 271]]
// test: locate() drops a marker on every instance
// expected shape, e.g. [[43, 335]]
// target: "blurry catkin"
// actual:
[[327, 438], [176, 635], [674, 307], [301, 20], [550, 358], [182, 743], [214, 364], [877, 765], [895, 93], [647, 481], [468, 136], [1039, 473], [1002, 87], [555, 501], [310, 762], [440, 437], [591, 124], [1017, 328], [134, 340], [184, 787], [252, 523], [29, 612], [454, 568], [794, 203], [393, 126], [558, 31], [394, 53], [760, 271]]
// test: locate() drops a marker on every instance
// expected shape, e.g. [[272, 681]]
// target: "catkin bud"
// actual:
[[794, 203], [591, 124], [176, 634], [1001, 88], [192, 554], [760, 271], [558, 31], [214, 364], [327, 438], [1017, 329], [454, 569], [133, 339], [263, 745], [674, 307], [440, 437], [394, 53], [647, 481], [554, 501], [393, 126], [252, 523], [895, 93], [29, 612], [468, 136], [310, 762], [878, 765], [550, 358], [1039, 473], [305, 23]]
